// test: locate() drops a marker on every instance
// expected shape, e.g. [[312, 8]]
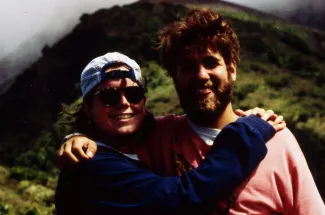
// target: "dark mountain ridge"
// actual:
[[308, 13], [219, 4], [307, 16]]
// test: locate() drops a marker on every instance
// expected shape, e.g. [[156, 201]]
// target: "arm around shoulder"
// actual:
[[113, 181]]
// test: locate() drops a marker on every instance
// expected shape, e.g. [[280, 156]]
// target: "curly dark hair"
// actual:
[[202, 27]]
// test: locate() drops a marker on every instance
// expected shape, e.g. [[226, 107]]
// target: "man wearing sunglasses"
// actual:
[[200, 53]]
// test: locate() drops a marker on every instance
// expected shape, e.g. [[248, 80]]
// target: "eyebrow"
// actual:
[[208, 56], [211, 57]]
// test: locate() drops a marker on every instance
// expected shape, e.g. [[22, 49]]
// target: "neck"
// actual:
[[228, 116], [125, 144]]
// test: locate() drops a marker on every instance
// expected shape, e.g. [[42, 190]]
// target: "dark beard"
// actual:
[[206, 111]]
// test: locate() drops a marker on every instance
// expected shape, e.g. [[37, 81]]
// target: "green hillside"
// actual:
[[281, 68]]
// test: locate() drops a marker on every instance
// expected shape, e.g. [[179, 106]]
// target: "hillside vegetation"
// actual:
[[281, 68]]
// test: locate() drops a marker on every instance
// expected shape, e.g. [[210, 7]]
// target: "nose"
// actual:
[[123, 101], [202, 73]]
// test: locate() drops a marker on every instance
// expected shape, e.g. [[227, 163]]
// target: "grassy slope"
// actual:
[[281, 68], [25, 197]]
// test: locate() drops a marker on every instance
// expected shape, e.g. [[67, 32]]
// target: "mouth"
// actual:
[[202, 91], [123, 116]]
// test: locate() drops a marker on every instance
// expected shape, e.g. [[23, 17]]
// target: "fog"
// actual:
[[26, 26], [282, 7]]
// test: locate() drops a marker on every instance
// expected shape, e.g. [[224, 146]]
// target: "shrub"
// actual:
[[4, 208], [295, 42], [277, 80], [25, 173], [32, 211]]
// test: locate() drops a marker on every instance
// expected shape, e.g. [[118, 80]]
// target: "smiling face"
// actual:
[[121, 119], [204, 85]]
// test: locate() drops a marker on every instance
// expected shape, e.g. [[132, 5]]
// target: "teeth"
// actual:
[[124, 116], [202, 90]]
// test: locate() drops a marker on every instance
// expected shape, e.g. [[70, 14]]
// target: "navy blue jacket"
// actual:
[[111, 183]]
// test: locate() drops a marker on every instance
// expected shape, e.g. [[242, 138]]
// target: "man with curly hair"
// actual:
[[202, 42], [200, 53]]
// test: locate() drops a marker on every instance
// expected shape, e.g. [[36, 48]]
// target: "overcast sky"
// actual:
[[42, 21], [26, 26]]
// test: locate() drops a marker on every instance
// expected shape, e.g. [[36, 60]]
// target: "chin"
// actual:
[[125, 131]]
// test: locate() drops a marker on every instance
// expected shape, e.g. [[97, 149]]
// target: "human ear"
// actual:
[[87, 109], [233, 72], [144, 100]]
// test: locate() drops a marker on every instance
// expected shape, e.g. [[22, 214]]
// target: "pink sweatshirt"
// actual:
[[282, 184]]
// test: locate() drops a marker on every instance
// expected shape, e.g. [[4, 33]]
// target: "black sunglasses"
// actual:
[[112, 96]]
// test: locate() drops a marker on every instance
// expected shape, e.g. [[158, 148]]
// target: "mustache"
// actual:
[[194, 85]]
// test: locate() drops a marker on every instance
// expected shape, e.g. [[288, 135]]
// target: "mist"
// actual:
[[26, 26], [282, 8]]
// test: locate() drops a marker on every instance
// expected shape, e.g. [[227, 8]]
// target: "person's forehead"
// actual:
[[120, 67], [117, 83], [197, 54]]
